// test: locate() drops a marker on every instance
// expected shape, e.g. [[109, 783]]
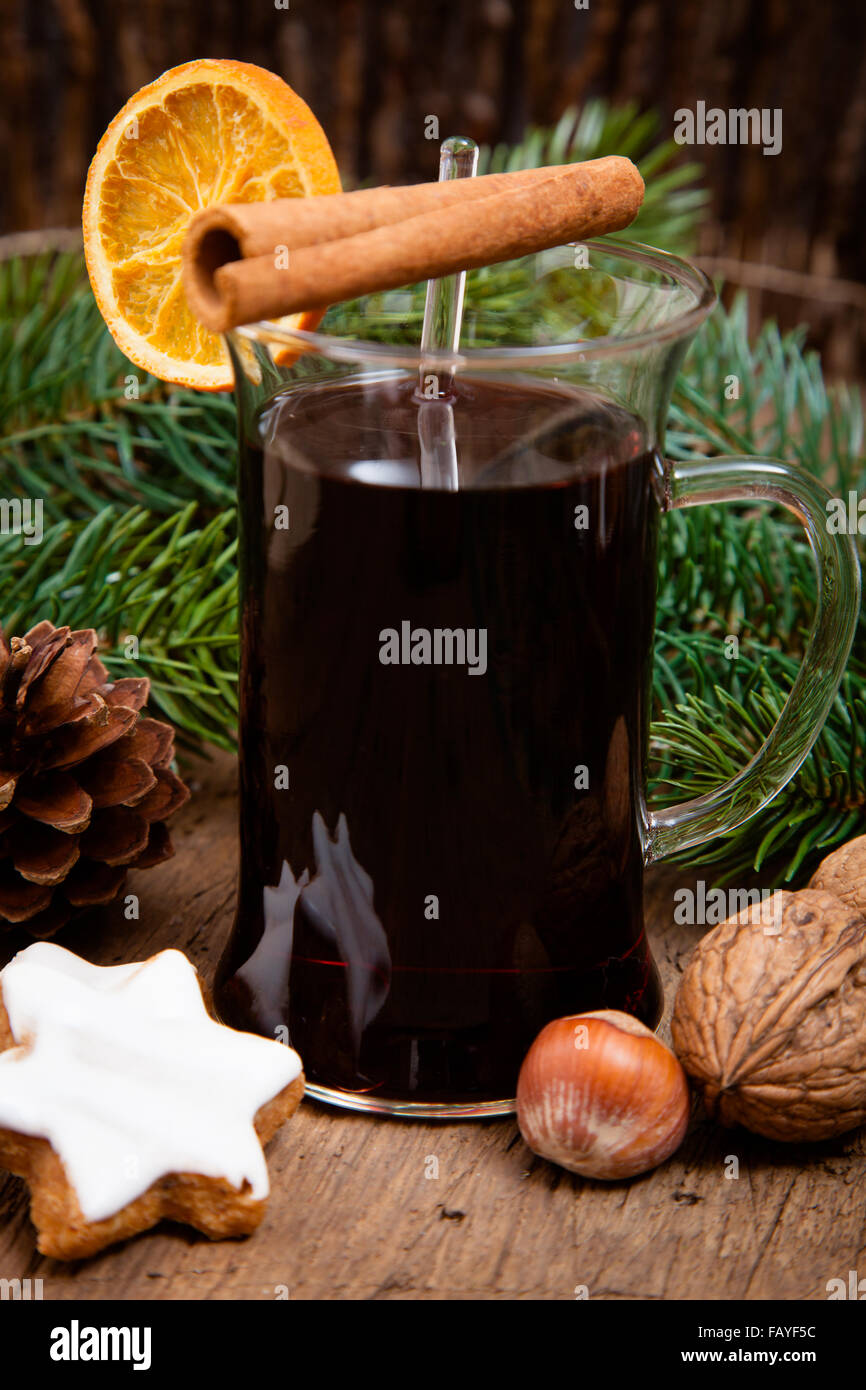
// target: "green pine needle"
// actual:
[[728, 570]]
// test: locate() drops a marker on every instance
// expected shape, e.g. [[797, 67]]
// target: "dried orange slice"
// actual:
[[210, 131]]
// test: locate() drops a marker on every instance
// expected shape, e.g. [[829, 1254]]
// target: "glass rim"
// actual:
[[360, 350]]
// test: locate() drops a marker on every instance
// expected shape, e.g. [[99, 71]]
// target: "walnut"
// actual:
[[770, 1018], [844, 873]]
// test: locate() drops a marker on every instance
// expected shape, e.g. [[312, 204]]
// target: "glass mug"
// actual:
[[447, 587]]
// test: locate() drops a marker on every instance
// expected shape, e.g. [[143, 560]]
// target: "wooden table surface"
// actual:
[[353, 1214]]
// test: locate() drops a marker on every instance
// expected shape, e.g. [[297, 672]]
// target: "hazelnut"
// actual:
[[599, 1094]]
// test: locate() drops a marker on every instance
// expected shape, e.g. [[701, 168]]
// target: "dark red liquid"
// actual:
[[431, 888]]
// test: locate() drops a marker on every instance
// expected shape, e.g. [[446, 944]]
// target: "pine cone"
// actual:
[[85, 782]]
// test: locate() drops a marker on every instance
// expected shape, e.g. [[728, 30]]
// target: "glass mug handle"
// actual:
[[838, 605]]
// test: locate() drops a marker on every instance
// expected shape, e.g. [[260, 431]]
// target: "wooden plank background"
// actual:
[[373, 70], [353, 1216]]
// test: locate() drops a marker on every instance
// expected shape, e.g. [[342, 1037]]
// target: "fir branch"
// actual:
[[162, 594], [729, 570], [137, 481]]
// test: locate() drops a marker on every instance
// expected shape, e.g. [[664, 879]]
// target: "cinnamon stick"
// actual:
[[292, 222], [252, 261]]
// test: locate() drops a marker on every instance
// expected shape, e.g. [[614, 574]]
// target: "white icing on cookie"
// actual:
[[125, 1073]]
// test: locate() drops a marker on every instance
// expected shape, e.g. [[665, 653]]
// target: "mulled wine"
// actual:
[[447, 618]]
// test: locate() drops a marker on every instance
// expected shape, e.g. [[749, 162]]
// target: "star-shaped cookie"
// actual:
[[123, 1101]]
